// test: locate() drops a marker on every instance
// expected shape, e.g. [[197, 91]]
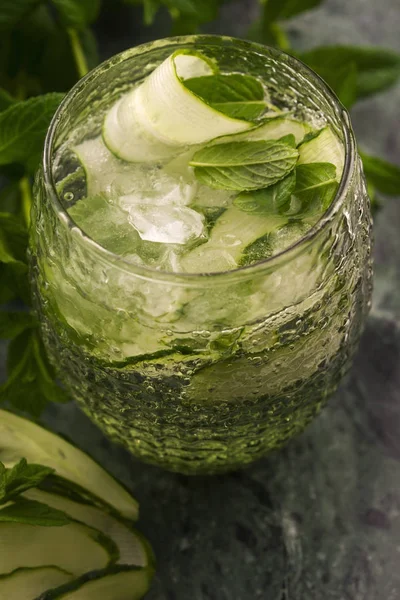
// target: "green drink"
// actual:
[[200, 249]]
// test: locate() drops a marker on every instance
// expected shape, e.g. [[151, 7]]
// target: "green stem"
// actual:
[[281, 37], [79, 55], [25, 187]]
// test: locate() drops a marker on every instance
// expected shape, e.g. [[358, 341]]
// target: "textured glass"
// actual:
[[202, 374]]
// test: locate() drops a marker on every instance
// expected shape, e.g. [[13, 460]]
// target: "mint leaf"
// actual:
[[23, 127], [244, 165], [226, 88], [377, 69], [14, 282], [13, 239], [12, 11], [238, 96], [5, 100], [343, 81], [10, 198], [20, 478], [257, 251], [201, 11], [270, 200], [77, 13], [31, 379], [316, 186], [32, 512], [278, 10], [150, 10], [248, 111], [12, 323], [384, 175]]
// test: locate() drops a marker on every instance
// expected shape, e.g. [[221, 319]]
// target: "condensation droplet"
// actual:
[[68, 196]]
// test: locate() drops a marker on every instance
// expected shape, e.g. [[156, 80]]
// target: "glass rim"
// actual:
[[243, 272]]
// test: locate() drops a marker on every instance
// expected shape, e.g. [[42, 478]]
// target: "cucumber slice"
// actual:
[[132, 550], [22, 438], [118, 583], [324, 147], [161, 115], [232, 233], [25, 583], [75, 548], [274, 129]]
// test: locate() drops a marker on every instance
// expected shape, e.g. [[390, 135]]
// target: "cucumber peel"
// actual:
[[161, 115], [116, 583], [25, 582]]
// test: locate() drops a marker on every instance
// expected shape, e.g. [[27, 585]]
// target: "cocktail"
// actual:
[[201, 249]]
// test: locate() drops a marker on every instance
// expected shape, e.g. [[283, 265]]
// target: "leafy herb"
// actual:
[[12, 323], [30, 384], [32, 512], [376, 68], [23, 127], [21, 477], [256, 251], [316, 186], [278, 10], [12, 11], [77, 13], [226, 88], [268, 201], [17, 480], [5, 100], [238, 96], [244, 165], [383, 175], [13, 239]]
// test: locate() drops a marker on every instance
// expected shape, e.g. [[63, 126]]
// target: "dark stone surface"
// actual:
[[321, 519]]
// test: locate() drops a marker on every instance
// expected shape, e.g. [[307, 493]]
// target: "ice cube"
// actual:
[[166, 224], [165, 191]]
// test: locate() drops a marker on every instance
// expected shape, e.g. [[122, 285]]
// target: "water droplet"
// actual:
[[150, 389], [68, 196]]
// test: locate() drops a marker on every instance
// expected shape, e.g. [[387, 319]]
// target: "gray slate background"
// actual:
[[321, 519]]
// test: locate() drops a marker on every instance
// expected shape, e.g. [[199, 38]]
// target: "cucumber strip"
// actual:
[[233, 231], [75, 548], [25, 583], [161, 115], [131, 549], [118, 583], [273, 129], [21, 438], [324, 147]]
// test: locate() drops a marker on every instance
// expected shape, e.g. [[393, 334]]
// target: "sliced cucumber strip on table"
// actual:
[[132, 549], [26, 583], [123, 583], [233, 231], [21, 438], [75, 548], [324, 147], [274, 129], [161, 115]]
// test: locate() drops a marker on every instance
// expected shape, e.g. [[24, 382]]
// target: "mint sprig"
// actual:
[[243, 166], [15, 508]]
